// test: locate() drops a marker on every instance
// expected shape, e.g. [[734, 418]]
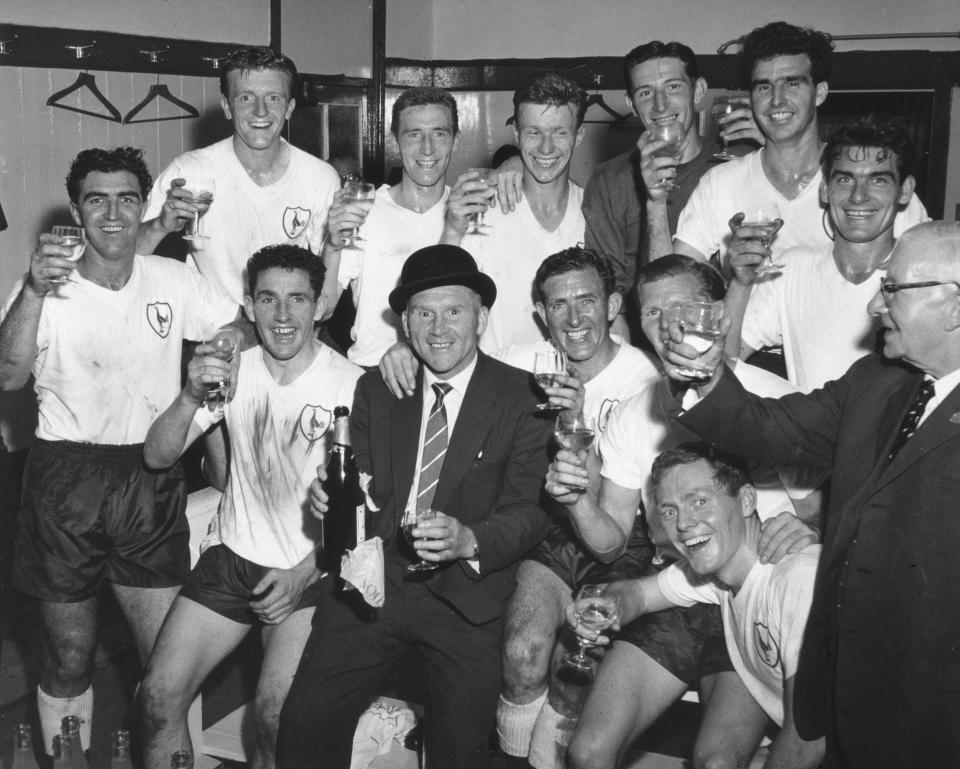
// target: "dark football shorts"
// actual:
[[92, 513], [687, 641], [223, 582], [561, 552]]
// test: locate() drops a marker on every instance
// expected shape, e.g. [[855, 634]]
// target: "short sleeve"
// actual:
[[792, 598], [683, 588], [351, 263], [761, 321], [206, 307], [697, 224], [619, 449]]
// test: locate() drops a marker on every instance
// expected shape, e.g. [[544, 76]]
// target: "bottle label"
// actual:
[[361, 515]]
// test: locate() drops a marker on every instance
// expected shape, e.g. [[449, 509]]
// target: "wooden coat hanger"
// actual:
[[160, 91], [85, 80]]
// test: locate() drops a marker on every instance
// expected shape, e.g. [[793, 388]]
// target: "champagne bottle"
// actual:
[[345, 521], [121, 750], [70, 733], [23, 755]]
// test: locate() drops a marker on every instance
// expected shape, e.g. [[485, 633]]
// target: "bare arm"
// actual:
[[215, 456], [789, 750], [177, 210]]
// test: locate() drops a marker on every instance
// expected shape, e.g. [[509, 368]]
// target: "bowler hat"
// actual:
[[440, 265]]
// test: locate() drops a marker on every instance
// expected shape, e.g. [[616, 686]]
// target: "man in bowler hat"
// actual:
[[469, 446]]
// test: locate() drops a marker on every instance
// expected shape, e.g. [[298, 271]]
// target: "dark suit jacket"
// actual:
[[880, 667], [491, 479]]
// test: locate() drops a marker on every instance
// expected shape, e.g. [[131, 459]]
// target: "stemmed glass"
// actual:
[[673, 134], [70, 237], [357, 192], [722, 105], [596, 610], [201, 194], [574, 433], [700, 323], [477, 222], [224, 346], [546, 365], [764, 217], [412, 519]]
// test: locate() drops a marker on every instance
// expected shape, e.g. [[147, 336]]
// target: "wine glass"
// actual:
[[596, 610], [546, 365], [574, 433], [70, 237], [224, 346], [412, 519], [477, 221], [673, 134], [764, 217], [357, 192], [201, 194], [700, 322], [722, 105]]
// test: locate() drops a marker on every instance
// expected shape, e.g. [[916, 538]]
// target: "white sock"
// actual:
[[551, 735], [515, 724], [52, 710]]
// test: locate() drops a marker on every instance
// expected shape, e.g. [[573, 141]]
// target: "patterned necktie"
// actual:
[[434, 448], [912, 418]]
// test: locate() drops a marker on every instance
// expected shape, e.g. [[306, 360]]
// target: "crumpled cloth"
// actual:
[[362, 568], [381, 723]]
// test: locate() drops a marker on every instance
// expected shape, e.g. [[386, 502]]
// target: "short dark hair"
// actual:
[[421, 97], [781, 39], [257, 58], [871, 131], [570, 260], [729, 472], [671, 265], [554, 90], [107, 161], [286, 256], [657, 49]]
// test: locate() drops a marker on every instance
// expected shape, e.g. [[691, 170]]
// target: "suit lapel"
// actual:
[[468, 433], [405, 444]]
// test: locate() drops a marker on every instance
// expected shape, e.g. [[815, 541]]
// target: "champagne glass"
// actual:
[[673, 134], [357, 192], [70, 237], [574, 433], [596, 610], [546, 365], [201, 194], [412, 519], [224, 346], [722, 105], [700, 322], [477, 221], [764, 217]]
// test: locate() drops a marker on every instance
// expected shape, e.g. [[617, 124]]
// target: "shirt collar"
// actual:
[[458, 382]]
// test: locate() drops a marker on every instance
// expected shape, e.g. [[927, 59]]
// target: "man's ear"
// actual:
[[822, 90], [248, 308], [614, 303], [403, 322], [321, 307], [75, 213], [225, 106], [541, 311], [482, 317], [579, 138], [699, 91], [748, 500], [824, 196], [906, 190]]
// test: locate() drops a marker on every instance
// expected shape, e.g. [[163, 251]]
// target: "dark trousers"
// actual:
[[348, 657]]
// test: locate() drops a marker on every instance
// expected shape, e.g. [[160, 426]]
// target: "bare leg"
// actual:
[[630, 692], [193, 641], [732, 725], [283, 647], [145, 609], [70, 635]]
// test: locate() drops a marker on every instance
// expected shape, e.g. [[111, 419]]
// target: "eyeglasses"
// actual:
[[888, 288]]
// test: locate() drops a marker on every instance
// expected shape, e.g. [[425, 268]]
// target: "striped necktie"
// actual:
[[911, 420], [434, 448]]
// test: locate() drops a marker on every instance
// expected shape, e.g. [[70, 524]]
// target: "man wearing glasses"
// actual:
[[879, 672]]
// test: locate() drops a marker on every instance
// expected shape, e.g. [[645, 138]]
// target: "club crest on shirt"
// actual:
[[314, 422], [606, 409], [159, 315], [295, 221], [766, 645]]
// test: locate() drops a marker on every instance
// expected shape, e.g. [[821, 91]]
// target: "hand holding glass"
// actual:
[[357, 192], [596, 610], [201, 194], [700, 322], [70, 237], [477, 222], [763, 219], [412, 519], [546, 365], [723, 105], [224, 346], [673, 134]]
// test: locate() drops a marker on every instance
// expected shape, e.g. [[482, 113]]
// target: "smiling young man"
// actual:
[[548, 126], [786, 69], [403, 218], [267, 190], [102, 337], [466, 444], [706, 506], [259, 565], [817, 307]]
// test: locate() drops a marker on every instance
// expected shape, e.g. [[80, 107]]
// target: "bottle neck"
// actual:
[[341, 431]]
